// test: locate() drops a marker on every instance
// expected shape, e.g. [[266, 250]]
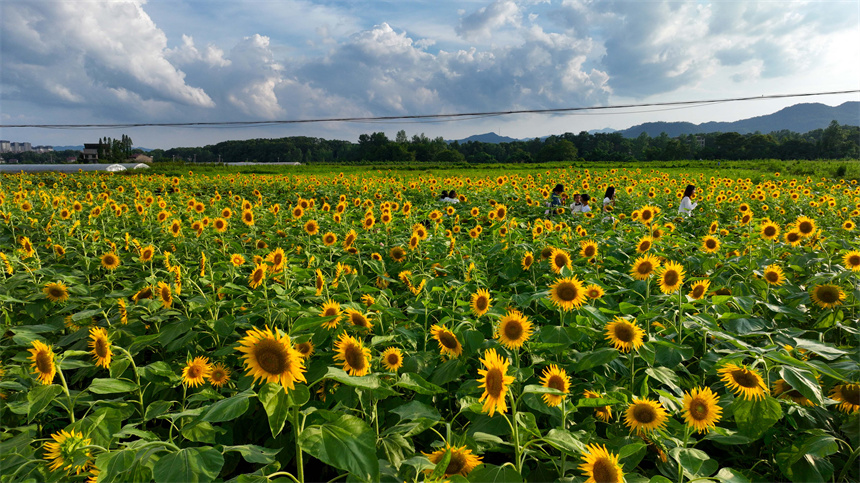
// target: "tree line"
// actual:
[[834, 142]]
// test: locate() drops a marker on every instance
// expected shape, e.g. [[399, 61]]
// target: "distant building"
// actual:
[[700, 141], [20, 147], [91, 153], [43, 149], [71, 159], [5, 147]]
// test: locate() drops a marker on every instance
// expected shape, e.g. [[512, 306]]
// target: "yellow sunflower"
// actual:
[[805, 226], [699, 289], [43, 362], [257, 276], [567, 293], [448, 343], [594, 291], [142, 294], [671, 277], [462, 460], [110, 261], [744, 382], [368, 300], [601, 466], [270, 357], [237, 260], [100, 345], [784, 390], [392, 358], [495, 382], [555, 378], [220, 225], [603, 413], [196, 371], [513, 329], [358, 319], [769, 230], [146, 253], [848, 395], [319, 282], [219, 375], [481, 302], [773, 275], [528, 260], [710, 244], [123, 312], [827, 296], [644, 266], [331, 309], [588, 249], [701, 409], [645, 243], [353, 354], [305, 349], [645, 415], [56, 292], [164, 294], [276, 257], [546, 251], [329, 239], [624, 335], [398, 254], [248, 217], [792, 237], [647, 214], [851, 260], [312, 227], [68, 452], [559, 259]]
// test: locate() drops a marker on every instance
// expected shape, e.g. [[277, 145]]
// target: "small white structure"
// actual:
[[140, 166], [115, 167]]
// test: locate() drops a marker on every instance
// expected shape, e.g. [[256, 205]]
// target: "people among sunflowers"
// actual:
[[687, 206]]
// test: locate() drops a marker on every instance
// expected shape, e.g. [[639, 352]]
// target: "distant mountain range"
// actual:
[[799, 118], [489, 137]]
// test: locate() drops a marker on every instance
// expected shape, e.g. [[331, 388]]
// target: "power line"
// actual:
[[425, 117]]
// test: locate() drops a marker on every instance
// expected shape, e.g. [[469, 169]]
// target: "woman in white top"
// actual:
[[585, 198], [451, 198], [687, 206], [576, 206], [608, 203]]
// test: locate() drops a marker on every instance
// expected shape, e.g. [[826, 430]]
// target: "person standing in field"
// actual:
[[585, 199], [555, 199], [576, 206], [451, 198], [687, 206], [608, 202]]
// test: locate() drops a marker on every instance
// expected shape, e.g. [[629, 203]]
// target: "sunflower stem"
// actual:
[[139, 389], [299, 462], [680, 467], [71, 407], [632, 371], [563, 427]]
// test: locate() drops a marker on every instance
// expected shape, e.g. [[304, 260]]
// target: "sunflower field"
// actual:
[[354, 327]]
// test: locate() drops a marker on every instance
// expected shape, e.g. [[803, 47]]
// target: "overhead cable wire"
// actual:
[[426, 117]]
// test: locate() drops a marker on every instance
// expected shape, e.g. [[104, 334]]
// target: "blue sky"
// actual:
[[131, 61]]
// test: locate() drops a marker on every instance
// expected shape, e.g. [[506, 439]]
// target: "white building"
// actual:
[[5, 147]]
